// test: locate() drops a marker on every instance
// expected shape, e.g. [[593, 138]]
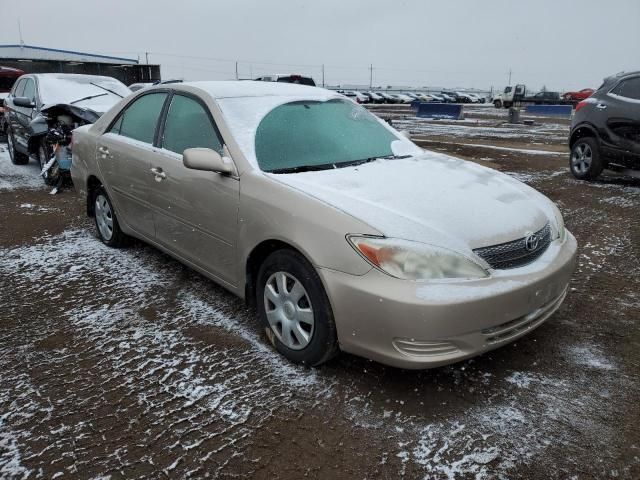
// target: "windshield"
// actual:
[[313, 133], [72, 88]]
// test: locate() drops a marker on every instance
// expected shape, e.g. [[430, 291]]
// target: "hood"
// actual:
[[431, 198]]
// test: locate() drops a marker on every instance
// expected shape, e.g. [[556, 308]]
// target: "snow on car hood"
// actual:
[[430, 198]]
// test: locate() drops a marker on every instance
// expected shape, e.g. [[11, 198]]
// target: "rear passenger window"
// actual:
[[628, 88], [188, 125], [139, 120]]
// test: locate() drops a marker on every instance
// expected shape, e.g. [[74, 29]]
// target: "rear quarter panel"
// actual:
[[84, 158]]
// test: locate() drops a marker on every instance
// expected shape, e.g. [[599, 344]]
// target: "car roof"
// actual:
[[68, 76], [235, 88]]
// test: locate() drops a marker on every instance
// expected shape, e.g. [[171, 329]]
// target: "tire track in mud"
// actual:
[[151, 370], [129, 372]]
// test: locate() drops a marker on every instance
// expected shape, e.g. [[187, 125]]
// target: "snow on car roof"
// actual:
[[248, 88]]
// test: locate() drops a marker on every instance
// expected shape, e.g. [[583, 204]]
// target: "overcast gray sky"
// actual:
[[562, 44]]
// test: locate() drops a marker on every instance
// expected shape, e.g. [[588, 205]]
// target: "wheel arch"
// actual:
[[581, 131], [256, 258], [93, 183]]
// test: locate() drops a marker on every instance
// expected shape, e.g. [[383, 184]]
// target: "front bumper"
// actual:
[[428, 324]]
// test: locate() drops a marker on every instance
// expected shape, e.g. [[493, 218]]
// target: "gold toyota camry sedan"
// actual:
[[344, 234]]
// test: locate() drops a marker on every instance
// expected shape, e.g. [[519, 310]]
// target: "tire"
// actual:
[[585, 162], [106, 220], [44, 155], [17, 158], [497, 104], [309, 312]]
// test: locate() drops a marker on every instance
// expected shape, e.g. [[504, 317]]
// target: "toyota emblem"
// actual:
[[531, 242]]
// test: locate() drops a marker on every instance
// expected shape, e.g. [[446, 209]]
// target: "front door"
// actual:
[[196, 211], [24, 115], [124, 156]]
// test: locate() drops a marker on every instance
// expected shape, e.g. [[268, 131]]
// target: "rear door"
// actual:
[[196, 211], [621, 111], [124, 155]]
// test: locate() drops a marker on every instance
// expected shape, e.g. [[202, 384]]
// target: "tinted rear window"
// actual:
[[629, 88], [140, 118]]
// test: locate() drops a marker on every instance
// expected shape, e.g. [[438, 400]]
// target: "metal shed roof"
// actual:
[[30, 52]]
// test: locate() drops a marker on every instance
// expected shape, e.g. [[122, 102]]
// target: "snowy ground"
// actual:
[[119, 364]]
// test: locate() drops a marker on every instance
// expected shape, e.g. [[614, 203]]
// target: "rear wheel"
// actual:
[[17, 158], [295, 310], [106, 220], [585, 162]]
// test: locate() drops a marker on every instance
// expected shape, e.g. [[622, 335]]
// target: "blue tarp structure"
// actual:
[[549, 110], [449, 111]]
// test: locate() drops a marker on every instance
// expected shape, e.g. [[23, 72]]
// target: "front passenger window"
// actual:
[[140, 119], [30, 90], [188, 125]]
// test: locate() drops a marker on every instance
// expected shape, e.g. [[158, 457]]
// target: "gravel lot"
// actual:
[[125, 364]]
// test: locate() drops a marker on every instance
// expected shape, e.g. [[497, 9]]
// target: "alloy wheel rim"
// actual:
[[289, 310], [104, 217], [581, 158]]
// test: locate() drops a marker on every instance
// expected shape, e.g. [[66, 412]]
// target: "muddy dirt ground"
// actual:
[[126, 364]]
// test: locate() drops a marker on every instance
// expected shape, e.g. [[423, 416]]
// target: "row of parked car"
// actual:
[[410, 97]]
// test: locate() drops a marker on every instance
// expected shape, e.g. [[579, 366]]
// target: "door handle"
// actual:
[[601, 106], [159, 174]]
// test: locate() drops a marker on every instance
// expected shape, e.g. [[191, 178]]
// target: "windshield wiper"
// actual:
[[89, 98], [302, 168], [328, 166], [106, 89]]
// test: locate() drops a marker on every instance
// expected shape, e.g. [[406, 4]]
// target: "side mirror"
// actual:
[[24, 102], [207, 160]]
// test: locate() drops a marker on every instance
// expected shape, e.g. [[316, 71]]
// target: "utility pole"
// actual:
[[20, 33], [147, 55], [236, 70], [323, 75], [509, 77], [371, 76]]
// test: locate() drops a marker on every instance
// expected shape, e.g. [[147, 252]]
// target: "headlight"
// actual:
[[560, 232], [415, 261]]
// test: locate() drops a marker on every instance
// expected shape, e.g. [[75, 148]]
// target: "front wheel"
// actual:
[[106, 220], [585, 162], [52, 175], [295, 310], [497, 104], [16, 157]]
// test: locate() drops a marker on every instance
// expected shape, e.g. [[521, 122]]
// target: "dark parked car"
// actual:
[[302, 80], [542, 98], [389, 98], [605, 130], [33, 94], [373, 97]]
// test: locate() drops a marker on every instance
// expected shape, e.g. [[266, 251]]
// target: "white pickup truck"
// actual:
[[506, 98]]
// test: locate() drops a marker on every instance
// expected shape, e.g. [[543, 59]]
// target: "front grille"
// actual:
[[518, 252]]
